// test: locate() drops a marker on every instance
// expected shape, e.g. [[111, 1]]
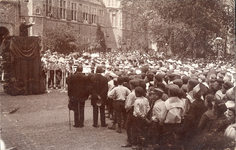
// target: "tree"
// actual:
[[187, 26], [63, 39], [100, 38]]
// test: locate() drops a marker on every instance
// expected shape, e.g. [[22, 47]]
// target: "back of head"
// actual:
[[134, 83], [174, 90], [210, 99], [139, 91], [160, 85], [220, 107], [79, 68], [99, 69], [120, 80], [150, 76]]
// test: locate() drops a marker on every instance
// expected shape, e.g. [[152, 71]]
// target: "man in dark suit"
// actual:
[[24, 28], [99, 97], [78, 92]]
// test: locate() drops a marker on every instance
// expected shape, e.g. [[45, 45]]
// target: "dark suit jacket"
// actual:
[[78, 87], [100, 87]]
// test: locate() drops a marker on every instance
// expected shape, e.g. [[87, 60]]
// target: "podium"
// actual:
[[22, 65]]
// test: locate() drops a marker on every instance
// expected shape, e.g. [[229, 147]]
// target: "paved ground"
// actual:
[[41, 123]]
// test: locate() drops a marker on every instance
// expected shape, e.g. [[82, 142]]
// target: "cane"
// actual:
[[69, 121]]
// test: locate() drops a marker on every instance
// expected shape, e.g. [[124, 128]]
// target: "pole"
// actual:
[[47, 72], [69, 121], [2, 75], [55, 78]]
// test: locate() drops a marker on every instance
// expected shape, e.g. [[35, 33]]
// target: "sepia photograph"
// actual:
[[117, 75]]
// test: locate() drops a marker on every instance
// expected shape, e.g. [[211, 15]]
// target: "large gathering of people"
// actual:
[[160, 103]]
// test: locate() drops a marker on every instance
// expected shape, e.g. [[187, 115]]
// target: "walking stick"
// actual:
[[69, 121]]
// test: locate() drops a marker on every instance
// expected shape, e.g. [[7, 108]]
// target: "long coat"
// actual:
[[100, 87], [78, 87]]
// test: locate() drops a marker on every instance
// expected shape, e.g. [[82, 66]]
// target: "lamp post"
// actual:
[[218, 41], [166, 48]]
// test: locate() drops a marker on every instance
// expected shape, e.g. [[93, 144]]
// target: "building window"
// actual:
[[114, 20], [101, 12], [73, 11], [62, 9], [85, 13], [48, 8], [94, 15]]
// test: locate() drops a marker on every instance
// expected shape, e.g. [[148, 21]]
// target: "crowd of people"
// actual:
[[161, 103]]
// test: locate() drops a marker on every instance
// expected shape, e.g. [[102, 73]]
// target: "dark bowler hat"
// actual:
[[185, 79], [192, 82], [173, 76], [178, 82], [99, 69], [134, 82], [174, 89]]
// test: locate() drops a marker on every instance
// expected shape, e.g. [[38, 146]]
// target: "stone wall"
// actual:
[[9, 16]]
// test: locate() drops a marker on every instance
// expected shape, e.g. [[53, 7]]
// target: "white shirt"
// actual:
[[141, 107], [157, 111]]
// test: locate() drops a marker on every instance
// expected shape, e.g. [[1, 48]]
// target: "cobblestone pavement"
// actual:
[[42, 123]]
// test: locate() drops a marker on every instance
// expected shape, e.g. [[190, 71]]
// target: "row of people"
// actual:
[[156, 105]]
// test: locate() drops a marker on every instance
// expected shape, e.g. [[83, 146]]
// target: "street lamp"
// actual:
[[218, 41], [166, 48]]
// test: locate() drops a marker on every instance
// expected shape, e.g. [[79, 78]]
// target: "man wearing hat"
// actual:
[[221, 93], [78, 92], [172, 114], [99, 96], [154, 115], [129, 103]]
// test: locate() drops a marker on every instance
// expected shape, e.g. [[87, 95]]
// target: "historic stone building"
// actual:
[[83, 15], [9, 18]]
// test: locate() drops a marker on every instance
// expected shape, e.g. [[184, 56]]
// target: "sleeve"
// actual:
[[127, 91], [203, 122], [147, 107], [105, 88], [191, 113], [154, 113], [129, 101], [163, 114], [111, 94], [136, 109], [23, 26], [69, 86]]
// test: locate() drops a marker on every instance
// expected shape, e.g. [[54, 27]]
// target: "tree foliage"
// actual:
[[187, 26], [63, 39], [100, 38]]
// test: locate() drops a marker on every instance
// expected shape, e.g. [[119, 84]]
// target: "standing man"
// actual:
[[78, 92], [99, 96], [119, 94], [24, 28]]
